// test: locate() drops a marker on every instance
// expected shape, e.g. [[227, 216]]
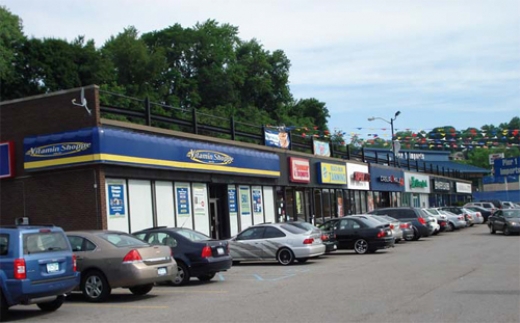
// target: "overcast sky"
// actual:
[[439, 62]]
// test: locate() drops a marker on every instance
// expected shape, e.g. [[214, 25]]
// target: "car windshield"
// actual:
[[380, 219], [303, 225], [369, 221], [122, 239], [512, 213], [193, 235], [389, 218], [433, 211]]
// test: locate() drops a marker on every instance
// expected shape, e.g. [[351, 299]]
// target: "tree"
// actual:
[[12, 39]]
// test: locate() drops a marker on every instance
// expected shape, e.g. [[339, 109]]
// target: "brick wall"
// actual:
[[67, 198]]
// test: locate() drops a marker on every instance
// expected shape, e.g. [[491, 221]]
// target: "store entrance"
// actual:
[[219, 211]]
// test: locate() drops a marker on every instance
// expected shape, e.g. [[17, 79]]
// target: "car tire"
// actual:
[[416, 234], [141, 289], [506, 231], [53, 305], [397, 240], [183, 275], [285, 257], [491, 229], [361, 246], [3, 306], [95, 287], [206, 278], [302, 260]]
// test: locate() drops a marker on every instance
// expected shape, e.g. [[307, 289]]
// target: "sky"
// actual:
[[438, 62]]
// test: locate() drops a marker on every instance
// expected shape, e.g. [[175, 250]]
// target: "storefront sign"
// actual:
[[116, 201], [123, 147], [7, 165], [386, 179], [321, 148], [463, 187], [358, 176], [299, 169], [507, 166], [209, 157], [331, 173], [439, 185], [416, 182]]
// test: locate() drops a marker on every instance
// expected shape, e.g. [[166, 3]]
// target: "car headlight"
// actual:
[[513, 223]]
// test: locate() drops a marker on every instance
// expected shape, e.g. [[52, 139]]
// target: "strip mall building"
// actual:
[[62, 163]]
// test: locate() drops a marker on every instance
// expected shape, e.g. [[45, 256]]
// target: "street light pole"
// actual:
[[391, 122]]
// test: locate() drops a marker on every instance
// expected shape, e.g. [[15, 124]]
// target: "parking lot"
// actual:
[[463, 276]]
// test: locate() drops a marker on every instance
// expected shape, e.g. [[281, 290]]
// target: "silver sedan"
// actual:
[[276, 241]]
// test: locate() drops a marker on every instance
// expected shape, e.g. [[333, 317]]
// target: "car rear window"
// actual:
[[193, 235], [122, 240], [44, 242], [293, 229], [4, 244]]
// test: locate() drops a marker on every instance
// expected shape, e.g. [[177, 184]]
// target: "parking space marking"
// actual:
[[267, 277], [175, 291]]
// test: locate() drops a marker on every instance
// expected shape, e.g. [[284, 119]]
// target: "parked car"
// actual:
[[506, 220], [460, 211], [508, 205], [442, 219], [484, 212], [112, 259], [455, 221], [395, 227], [363, 234], [475, 215], [327, 228], [196, 254], [37, 266], [497, 203], [485, 205], [408, 214], [327, 238], [276, 241]]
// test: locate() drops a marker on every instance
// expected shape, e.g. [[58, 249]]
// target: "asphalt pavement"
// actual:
[[462, 276]]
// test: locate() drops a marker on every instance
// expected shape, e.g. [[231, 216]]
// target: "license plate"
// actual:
[[220, 251], [162, 271], [53, 267]]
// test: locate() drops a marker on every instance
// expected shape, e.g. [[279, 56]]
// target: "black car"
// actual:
[[196, 254], [326, 237], [408, 214], [507, 221], [361, 233]]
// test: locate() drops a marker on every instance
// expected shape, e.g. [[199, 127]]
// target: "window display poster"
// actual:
[[199, 199], [257, 199], [245, 201], [232, 200], [183, 199], [116, 201]]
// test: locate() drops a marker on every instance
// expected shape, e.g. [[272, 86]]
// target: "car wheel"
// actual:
[[183, 275], [302, 260], [52, 306], [95, 287], [285, 257], [416, 234], [206, 278], [506, 231], [397, 240], [361, 246], [141, 290], [491, 229]]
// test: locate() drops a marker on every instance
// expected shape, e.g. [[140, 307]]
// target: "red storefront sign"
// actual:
[[300, 170]]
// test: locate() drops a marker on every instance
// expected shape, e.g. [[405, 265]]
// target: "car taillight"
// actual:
[[206, 252], [324, 237], [404, 225], [308, 241], [381, 234], [391, 226], [422, 221], [132, 257], [19, 269], [74, 263]]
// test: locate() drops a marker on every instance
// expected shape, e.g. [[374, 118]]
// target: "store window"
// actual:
[[318, 208], [327, 203]]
